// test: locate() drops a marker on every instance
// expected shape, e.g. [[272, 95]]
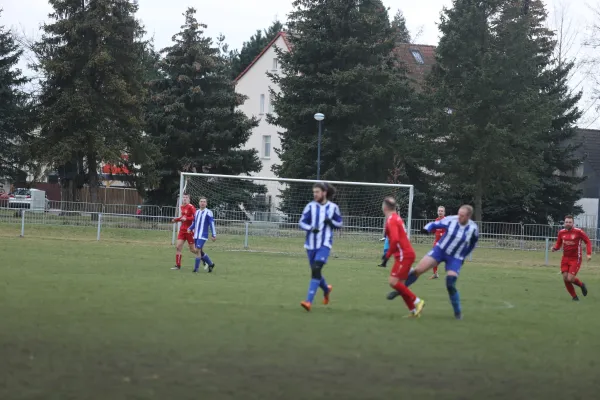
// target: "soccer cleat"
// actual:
[[419, 307], [176, 268], [575, 298], [584, 289], [211, 267], [306, 305], [392, 295], [195, 271], [434, 276], [326, 295], [458, 316]]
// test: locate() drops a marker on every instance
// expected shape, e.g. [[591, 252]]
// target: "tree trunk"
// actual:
[[479, 200], [93, 174]]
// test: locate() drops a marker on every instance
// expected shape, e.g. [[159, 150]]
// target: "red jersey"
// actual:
[[189, 212], [439, 232], [570, 240], [398, 238]]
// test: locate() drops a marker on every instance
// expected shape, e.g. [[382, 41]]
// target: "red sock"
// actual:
[[435, 270], [570, 289], [577, 282], [408, 296], [178, 260]]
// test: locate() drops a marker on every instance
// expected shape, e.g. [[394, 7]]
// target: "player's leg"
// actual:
[[315, 279], [572, 276], [192, 245], [206, 259], [452, 271], [431, 260], [564, 269], [178, 249], [199, 246], [398, 276]]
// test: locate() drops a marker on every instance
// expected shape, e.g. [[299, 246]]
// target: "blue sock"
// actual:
[[207, 259], [197, 264], [453, 293], [312, 289], [412, 278], [323, 285]]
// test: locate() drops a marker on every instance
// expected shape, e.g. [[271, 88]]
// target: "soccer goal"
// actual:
[[261, 214]]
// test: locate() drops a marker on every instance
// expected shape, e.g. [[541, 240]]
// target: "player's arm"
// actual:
[[305, 222], [559, 242], [211, 224], [336, 219], [435, 225], [588, 244], [193, 226], [473, 242]]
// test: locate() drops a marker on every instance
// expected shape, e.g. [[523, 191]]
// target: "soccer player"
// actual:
[[404, 256], [187, 217], [456, 244], [570, 240], [319, 218], [441, 212], [203, 221]]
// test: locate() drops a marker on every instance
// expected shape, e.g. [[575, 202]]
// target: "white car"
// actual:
[[21, 198]]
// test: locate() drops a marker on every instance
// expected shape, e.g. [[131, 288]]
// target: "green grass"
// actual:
[[81, 319]]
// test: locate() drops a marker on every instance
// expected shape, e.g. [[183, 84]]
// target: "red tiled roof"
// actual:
[[414, 69], [267, 47]]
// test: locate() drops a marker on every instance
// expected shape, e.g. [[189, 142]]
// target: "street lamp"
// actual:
[[319, 117]]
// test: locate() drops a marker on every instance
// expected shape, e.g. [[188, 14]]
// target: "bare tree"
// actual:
[[592, 62]]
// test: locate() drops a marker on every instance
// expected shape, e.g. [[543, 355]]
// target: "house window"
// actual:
[[275, 64], [262, 104], [418, 56], [266, 147]]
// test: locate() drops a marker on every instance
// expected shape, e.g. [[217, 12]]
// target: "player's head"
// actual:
[[464, 214], [323, 191], [441, 211], [569, 222], [185, 200], [203, 203], [389, 205]]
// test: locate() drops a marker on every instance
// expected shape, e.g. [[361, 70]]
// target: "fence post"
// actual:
[[547, 250], [23, 222], [99, 226], [246, 235]]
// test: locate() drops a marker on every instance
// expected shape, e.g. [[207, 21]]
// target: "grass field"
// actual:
[[81, 319]]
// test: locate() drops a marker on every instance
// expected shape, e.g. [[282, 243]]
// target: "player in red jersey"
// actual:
[[188, 211], [441, 212], [570, 240], [404, 257]]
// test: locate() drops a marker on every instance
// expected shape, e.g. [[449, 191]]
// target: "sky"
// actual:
[[239, 19]]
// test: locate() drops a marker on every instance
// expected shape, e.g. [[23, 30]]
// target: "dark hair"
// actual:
[[390, 203], [569, 217], [186, 194], [326, 187]]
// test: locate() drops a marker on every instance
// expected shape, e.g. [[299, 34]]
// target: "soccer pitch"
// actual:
[[109, 320]]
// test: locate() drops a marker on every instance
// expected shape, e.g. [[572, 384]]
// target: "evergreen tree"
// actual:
[[342, 65], [399, 26], [194, 117], [16, 119], [91, 97], [252, 48]]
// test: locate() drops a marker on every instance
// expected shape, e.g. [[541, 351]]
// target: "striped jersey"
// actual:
[[203, 220], [459, 240], [313, 218]]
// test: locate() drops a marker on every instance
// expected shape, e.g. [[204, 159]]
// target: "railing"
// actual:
[[357, 232]]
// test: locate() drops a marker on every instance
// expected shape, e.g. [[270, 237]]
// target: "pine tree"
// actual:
[[16, 118], [252, 48], [342, 65], [399, 26], [194, 119], [91, 97]]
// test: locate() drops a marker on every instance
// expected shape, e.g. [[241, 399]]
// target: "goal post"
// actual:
[[261, 213]]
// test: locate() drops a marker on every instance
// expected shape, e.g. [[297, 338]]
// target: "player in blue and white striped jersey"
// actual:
[[319, 218], [456, 244], [203, 221]]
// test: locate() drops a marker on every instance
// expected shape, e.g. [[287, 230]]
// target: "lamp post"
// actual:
[[319, 117]]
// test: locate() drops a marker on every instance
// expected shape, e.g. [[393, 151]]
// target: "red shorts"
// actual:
[[570, 265], [402, 267], [185, 236]]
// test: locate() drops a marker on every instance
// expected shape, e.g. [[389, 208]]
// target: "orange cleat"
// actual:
[[306, 305], [326, 295]]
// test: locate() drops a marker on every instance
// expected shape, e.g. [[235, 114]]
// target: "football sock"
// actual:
[[408, 296], [577, 282], [197, 264], [312, 289], [207, 259], [412, 278], [178, 260], [323, 285], [570, 289], [435, 269], [453, 293]]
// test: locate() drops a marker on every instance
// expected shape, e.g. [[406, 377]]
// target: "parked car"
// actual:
[[21, 198]]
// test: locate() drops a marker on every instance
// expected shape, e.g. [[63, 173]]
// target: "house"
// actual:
[[590, 168]]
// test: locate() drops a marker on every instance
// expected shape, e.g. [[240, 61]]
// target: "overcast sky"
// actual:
[[239, 19]]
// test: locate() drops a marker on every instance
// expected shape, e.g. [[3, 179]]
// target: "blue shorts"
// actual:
[[200, 243], [321, 254], [452, 264]]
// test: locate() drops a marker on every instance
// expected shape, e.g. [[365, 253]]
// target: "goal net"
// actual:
[[262, 214]]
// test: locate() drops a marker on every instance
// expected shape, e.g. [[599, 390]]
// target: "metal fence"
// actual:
[[120, 219]]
